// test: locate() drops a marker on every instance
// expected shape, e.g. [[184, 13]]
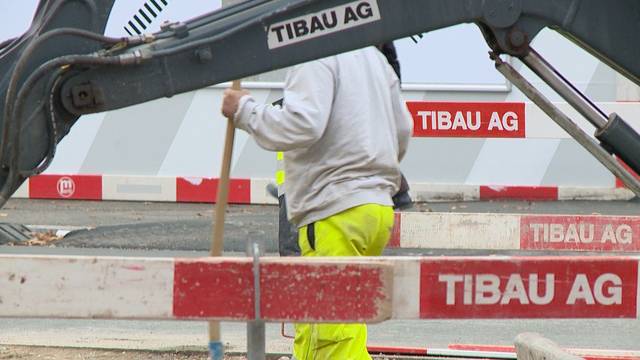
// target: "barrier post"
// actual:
[[256, 347]]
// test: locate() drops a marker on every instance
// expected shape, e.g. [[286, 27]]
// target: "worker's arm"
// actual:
[[404, 124], [303, 118]]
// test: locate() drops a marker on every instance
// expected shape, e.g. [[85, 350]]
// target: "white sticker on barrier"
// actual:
[[443, 192], [406, 290], [259, 193], [135, 188], [39, 286], [23, 191], [460, 231]]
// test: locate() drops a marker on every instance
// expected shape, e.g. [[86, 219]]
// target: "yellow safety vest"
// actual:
[[280, 171]]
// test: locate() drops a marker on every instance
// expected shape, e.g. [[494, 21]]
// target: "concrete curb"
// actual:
[[531, 346]]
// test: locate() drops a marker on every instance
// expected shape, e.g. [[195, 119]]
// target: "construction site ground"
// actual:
[[60, 353], [169, 229], [56, 353]]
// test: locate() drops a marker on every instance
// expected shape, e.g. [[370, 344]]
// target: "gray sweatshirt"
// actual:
[[343, 129]]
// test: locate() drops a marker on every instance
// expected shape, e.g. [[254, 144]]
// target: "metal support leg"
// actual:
[[569, 126], [614, 133], [565, 89], [256, 329]]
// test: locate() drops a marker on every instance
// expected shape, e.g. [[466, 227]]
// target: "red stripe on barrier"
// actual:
[[213, 289], [206, 190], [518, 192], [322, 291], [584, 287], [346, 291], [394, 242], [76, 187], [488, 348], [619, 183], [588, 354], [396, 350], [586, 233]]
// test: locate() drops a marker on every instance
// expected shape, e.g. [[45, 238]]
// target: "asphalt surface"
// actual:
[[162, 229]]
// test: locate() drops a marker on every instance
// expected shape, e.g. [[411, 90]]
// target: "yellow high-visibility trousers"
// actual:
[[360, 231]]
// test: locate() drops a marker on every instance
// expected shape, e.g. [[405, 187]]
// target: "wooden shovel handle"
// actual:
[[217, 243]]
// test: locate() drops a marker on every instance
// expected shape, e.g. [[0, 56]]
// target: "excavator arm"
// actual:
[[62, 68]]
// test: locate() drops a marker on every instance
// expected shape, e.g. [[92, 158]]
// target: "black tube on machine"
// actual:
[[622, 139]]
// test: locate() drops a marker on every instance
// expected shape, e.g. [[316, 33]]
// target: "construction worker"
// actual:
[[343, 129], [287, 232]]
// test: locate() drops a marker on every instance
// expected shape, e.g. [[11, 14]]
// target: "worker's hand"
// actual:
[[231, 100]]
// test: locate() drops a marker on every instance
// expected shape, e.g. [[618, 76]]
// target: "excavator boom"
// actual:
[[62, 68]]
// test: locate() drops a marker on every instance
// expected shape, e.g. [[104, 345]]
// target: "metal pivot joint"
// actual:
[[203, 51], [614, 133], [588, 142]]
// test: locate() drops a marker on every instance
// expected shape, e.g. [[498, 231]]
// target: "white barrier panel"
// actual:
[[325, 289], [207, 288]]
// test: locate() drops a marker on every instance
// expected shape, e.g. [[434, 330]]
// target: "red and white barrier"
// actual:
[[516, 232], [207, 288], [440, 353], [335, 289], [588, 354], [252, 191]]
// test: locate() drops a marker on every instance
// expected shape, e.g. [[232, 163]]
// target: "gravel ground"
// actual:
[[59, 353]]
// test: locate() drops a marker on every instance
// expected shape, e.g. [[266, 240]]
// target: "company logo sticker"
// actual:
[[66, 187], [467, 119], [587, 233], [322, 23], [536, 288]]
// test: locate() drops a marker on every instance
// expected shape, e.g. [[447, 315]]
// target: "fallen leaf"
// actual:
[[39, 239]]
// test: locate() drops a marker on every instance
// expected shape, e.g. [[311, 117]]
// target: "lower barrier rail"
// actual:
[[587, 354], [326, 289]]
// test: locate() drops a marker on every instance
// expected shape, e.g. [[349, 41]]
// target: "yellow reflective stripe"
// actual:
[[280, 170]]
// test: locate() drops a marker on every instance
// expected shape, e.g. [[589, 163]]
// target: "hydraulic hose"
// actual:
[[27, 87], [24, 58]]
